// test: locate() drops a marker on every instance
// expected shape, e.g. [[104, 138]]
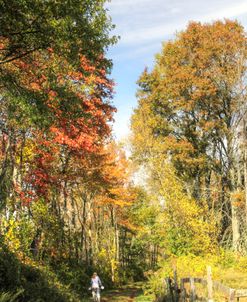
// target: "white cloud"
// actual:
[[136, 52], [148, 34], [232, 11], [142, 21]]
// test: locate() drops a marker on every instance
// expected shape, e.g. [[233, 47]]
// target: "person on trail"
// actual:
[[96, 285]]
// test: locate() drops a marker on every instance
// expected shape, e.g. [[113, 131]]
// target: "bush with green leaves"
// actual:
[[10, 297]]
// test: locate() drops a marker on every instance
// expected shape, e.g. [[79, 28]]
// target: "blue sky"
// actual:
[[143, 25]]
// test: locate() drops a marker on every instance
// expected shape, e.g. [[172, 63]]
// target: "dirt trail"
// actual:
[[121, 295]]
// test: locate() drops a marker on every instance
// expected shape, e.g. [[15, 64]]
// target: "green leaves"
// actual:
[[68, 27]]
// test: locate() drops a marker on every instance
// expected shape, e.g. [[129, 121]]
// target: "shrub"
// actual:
[[9, 270], [10, 297]]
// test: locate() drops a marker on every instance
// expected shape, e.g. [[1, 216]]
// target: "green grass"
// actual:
[[131, 291], [143, 298]]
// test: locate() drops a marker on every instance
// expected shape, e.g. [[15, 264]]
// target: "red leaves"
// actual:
[[74, 103], [35, 86], [80, 141]]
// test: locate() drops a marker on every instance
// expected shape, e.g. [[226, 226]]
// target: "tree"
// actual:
[[196, 94], [56, 116], [68, 27]]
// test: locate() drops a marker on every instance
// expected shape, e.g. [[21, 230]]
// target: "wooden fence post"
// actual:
[[183, 291], [209, 284], [175, 282], [167, 285], [192, 290], [232, 295], [169, 288], [165, 289]]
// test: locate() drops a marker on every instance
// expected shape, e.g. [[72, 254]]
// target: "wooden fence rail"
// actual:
[[176, 293]]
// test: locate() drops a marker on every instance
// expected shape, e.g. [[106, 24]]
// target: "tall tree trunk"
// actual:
[[245, 165], [234, 214], [235, 228]]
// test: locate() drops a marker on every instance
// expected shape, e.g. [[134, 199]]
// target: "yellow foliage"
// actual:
[[28, 152], [11, 234]]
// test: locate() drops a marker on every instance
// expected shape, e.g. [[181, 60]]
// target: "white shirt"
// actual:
[[95, 282]]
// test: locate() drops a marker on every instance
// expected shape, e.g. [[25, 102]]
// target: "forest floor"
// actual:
[[130, 293]]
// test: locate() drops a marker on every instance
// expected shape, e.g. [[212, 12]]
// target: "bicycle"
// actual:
[[96, 293]]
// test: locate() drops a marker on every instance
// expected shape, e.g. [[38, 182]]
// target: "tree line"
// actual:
[[71, 201], [64, 182]]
